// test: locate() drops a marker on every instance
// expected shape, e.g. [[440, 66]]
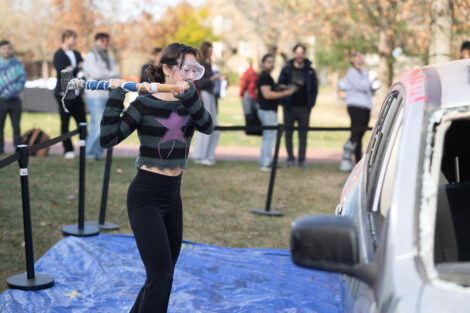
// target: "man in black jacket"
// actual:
[[297, 107], [67, 58]]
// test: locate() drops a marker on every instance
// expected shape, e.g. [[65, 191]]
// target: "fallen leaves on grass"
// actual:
[[36, 182]]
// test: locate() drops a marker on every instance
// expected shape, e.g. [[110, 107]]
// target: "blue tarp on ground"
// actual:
[[104, 274]]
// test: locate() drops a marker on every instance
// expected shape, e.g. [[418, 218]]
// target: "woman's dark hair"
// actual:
[[173, 54], [204, 48], [266, 56]]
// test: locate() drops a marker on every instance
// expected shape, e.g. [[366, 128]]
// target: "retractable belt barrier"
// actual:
[[280, 129], [53, 141], [32, 281], [275, 127], [10, 159], [15, 156]]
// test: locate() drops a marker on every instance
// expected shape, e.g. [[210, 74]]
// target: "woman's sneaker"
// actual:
[[69, 155], [268, 168], [265, 168], [205, 162]]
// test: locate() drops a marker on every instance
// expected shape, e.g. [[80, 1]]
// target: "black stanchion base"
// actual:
[[264, 212], [21, 281], [73, 230], [104, 226]]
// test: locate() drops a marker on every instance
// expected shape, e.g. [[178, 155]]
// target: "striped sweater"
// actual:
[[165, 128]]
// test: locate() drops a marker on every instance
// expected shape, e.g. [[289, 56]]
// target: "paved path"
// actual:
[[221, 153]]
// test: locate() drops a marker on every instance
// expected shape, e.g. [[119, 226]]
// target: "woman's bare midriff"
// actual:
[[167, 172]]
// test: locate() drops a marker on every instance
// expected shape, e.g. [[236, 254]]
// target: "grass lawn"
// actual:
[[328, 111], [217, 202]]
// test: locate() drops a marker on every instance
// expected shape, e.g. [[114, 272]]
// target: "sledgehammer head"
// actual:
[[66, 77]]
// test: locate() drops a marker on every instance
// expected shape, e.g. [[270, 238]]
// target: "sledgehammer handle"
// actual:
[[129, 86]]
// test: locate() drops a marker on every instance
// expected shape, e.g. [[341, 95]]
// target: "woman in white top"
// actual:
[[359, 94]]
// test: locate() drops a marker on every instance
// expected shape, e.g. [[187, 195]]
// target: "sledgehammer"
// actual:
[[68, 83]]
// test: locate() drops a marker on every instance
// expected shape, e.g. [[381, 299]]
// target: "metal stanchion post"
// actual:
[[81, 229], [267, 209], [104, 195], [28, 280]]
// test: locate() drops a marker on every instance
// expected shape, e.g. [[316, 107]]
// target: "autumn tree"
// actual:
[[185, 24], [269, 19], [32, 17], [136, 37], [78, 15], [449, 26], [371, 26]]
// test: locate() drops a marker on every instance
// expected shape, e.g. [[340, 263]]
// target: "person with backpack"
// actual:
[[249, 95]]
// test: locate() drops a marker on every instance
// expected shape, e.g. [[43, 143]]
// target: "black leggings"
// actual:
[[359, 121], [156, 217]]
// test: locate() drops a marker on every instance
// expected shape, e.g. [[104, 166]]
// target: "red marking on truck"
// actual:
[[414, 81]]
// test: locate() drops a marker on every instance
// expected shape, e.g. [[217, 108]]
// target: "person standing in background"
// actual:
[[220, 84], [268, 98], [465, 50], [204, 150], [67, 58], [249, 83], [359, 94], [249, 94], [98, 65], [298, 106], [12, 80], [154, 60]]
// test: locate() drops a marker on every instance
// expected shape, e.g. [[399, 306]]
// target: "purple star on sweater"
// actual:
[[174, 123]]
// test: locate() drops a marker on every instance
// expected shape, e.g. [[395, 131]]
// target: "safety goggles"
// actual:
[[189, 70]]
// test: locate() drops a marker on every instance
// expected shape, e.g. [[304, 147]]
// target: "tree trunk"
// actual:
[[44, 69], [441, 31], [335, 83], [386, 43]]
